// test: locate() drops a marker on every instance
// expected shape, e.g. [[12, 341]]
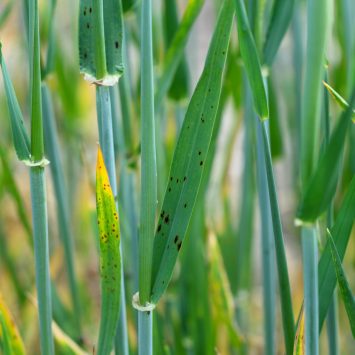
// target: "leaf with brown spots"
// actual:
[[110, 260]]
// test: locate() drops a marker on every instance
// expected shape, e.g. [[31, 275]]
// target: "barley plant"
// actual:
[[177, 177]]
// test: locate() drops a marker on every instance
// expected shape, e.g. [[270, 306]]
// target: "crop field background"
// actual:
[[177, 177]]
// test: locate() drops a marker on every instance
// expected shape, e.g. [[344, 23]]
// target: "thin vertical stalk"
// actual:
[[145, 331], [267, 245], [38, 188], [310, 277], [148, 180], [105, 118], [148, 157]]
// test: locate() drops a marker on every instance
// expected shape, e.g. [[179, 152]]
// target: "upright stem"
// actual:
[[310, 277], [40, 232], [104, 116], [38, 188], [148, 179], [148, 157], [145, 331]]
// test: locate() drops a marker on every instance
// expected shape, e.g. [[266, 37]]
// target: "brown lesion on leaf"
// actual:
[[179, 246], [166, 219]]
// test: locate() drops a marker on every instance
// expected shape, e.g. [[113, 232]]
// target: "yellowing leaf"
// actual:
[[110, 260], [299, 345], [13, 336]]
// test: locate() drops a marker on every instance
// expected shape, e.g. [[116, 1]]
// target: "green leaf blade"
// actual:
[[251, 61], [190, 156], [345, 291], [341, 234], [19, 134], [322, 185]]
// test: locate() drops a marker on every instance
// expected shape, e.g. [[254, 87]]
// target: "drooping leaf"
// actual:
[[344, 287], [110, 261], [339, 99], [190, 156], [322, 185], [20, 137], [341, 233]]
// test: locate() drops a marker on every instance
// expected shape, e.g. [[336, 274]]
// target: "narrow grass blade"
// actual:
[[37, 147], [110, 260], [179, 88], [52, 149], [51, 40], [10, 338], [190, 156], [220, 294], [284, 283], [339, 99], [251, 61], [282, 12], [348, 298], [340, 231], [100, 40], [321, 188], [64, 344], [268, 248], [176, 50], [299, 346], [20, 137], [276, 136]]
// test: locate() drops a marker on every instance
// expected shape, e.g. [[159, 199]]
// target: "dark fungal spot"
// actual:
[[85, 12], [90, 10], [162, 214], [179, 245], [201, 163], [85, 55], [166, 219], [148, 313], [116, 44], [171, 178], [199, 153], [88, 25], [224, 52], [185, 205], [176, 239], [169, 189], [211, 106], [185, 178], [159, 228], [177, 181]]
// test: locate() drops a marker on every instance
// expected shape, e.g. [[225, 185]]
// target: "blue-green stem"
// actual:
[[310, 279], [52, 149], [40, 233], [104, 116], [148, 179], [267, 245], [148, 156], [145, 331]]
